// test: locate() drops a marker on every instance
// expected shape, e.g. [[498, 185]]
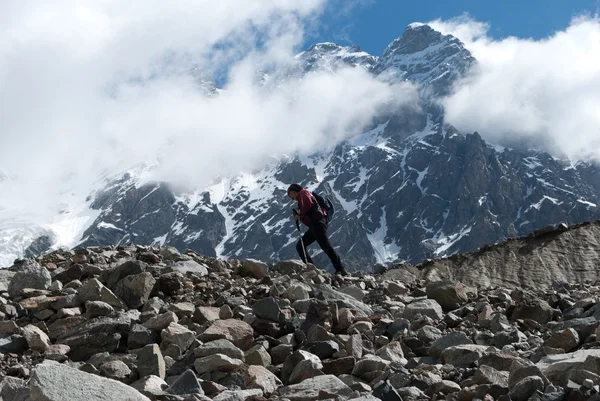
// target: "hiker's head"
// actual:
[[293, 191]]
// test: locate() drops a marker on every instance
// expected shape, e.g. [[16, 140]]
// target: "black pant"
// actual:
[[318, 232]]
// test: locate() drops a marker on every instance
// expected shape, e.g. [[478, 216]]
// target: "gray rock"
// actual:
[[128, 268], [325, 292], [280, 353], [526, 388], [296, 359], [463, 355], [220, 346], [117, 370], [204, 314], [567, 339], [135, 289], [178, 335], [94, 290], [14, 389], [217, 362], [257, 355], [150, 361], [296, 293], [322, 349], [29, 275], [68, 301], [392, 352], [309, 389], [268, 308], [239, 333], [36, 339], [161, 321], [368, 364], [238, 395], [386, 392], [190, 266], [97, 308], [139, 336], [258, 377], [253, 268], [12, 343], [425, 307], [56, 382], [186, 383], [449, 340], [450, 295], [150, 386]]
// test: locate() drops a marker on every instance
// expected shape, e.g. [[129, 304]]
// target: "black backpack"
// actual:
[[325, 204]]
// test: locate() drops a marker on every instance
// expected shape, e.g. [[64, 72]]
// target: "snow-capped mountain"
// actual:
[[408, 189]]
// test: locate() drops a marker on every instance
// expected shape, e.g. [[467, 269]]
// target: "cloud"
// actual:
[[544, 93], [94, 87]]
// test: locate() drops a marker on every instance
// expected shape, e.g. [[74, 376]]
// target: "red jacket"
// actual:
[[308, 208]]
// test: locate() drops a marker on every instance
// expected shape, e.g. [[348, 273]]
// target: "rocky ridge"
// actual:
[[140, 323]]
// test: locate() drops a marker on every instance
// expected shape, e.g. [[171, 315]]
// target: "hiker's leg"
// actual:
[[320, 232], [308, 238]]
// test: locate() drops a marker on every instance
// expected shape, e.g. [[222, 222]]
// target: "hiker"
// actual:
[[314, 217]]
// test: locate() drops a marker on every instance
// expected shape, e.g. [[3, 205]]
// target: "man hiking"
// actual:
[[314, 217]]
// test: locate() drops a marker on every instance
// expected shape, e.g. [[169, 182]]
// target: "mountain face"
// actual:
[[408, 189]]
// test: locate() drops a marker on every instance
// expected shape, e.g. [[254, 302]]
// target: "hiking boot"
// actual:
[[342, 272]]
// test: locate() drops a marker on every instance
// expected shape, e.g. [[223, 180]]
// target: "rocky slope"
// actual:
[[140, 323]]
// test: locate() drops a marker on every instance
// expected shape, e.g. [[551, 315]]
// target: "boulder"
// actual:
[[29, 275]]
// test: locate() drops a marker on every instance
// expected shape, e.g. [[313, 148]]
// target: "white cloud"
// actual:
[[545, 93], [93, 86]]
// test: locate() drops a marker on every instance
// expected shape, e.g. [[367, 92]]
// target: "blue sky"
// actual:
[[374, 23]]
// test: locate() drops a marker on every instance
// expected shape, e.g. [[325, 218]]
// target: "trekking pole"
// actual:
[[300, 235]]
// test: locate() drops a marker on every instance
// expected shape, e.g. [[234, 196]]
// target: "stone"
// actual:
[[135, 289], [151, 362], [8, 327], [449, 340], [557, 367], [190, 266], [392, 352], [238, 395], [169, 283], [369, 363], [463, 355], [225, 312], [217, 362], [29, 275], [48, 383], [567, 339], [129, 268], [258, 377], [294, 360], [353, 291], [186, 383], [425, 307], [397, 289], [330, 295], [296, 293], [161, 321], [305, 369], [68, 312], [36, 339], [526, 388], [14, 389], [322, 349], [257, 355], [536, 309], [238, 332], [117, 370], [182, 309], [384, 391], [151, 386], [429, 334], [339, 366], [488, 375], [450, 295], [94, 290], [178, 335], [57, 352], [68, 301], [139, 336], [253, 268], [12, 343], [280, 353], [445, 387], [205, 314], [309, 389], [97, 308], [523, 368], [221, 346], [268, 308]]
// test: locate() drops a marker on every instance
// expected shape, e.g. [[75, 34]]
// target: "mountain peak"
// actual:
[[426, 57], [330, 56]]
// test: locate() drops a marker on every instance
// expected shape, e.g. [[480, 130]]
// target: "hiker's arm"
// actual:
[[304, 203]]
